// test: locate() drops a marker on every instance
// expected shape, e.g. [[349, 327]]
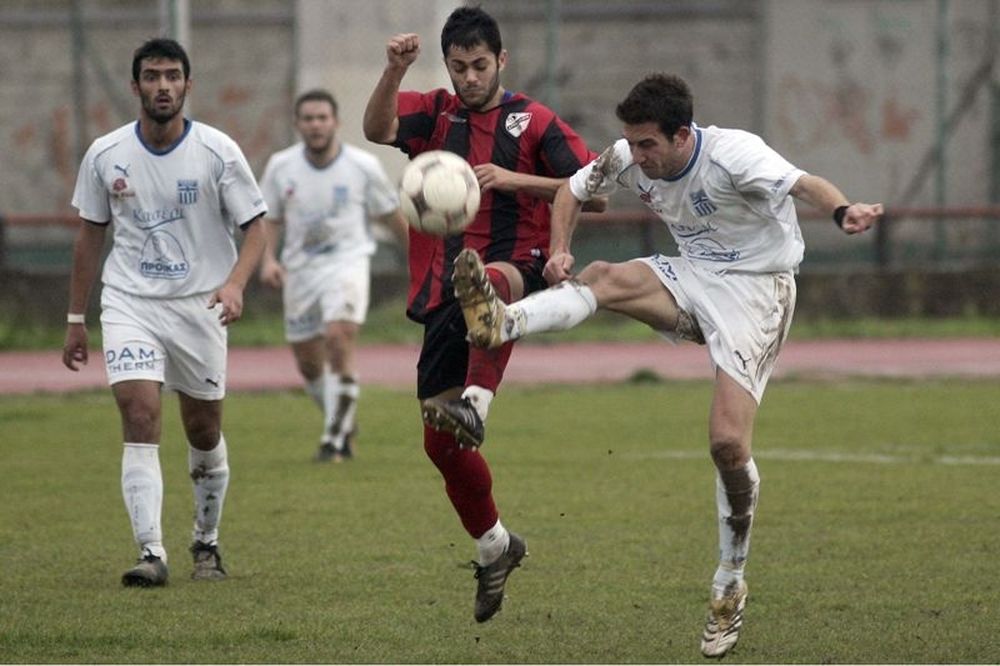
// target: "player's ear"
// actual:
[[502, 60], [135, 87], [681, 135]]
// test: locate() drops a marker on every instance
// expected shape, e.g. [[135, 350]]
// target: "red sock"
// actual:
[[467, 481], [486, 366]]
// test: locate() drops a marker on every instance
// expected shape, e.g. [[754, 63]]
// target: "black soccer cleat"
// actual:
[[149, 571], [458, 417], [493, 577], [207, 562]]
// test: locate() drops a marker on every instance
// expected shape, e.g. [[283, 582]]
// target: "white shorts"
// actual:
[[337, 290], [178, 342], [744, 317]]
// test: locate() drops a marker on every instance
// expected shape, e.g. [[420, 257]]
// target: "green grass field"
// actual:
[[874, 539]]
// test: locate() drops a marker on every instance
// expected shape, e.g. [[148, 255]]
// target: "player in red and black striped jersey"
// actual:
[[521, 152]]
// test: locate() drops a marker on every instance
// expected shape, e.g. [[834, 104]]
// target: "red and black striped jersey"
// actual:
[[520, 135]]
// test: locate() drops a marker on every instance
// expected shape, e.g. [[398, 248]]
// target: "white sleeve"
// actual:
[[381, 196], [238, 188], [90, 196], [270, 191], [757, 168], [584, 184]]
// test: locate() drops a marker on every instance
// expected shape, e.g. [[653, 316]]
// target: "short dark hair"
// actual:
[[469, 26], [316, 95], [663, 99], [160, 47]]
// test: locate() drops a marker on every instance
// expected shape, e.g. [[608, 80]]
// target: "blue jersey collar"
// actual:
[[164, 151], [694, 156]]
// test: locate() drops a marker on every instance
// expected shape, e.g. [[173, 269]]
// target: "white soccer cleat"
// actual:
[[725, 618]]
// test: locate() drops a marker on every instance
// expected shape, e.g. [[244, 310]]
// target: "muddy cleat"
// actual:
[[149, 571], [493, 577], [482, 308], [327, 452], [207, 562], [725, 618], [458, 417]]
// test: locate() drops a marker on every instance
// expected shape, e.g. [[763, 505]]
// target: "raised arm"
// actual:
[[381, 122], [820, 193]]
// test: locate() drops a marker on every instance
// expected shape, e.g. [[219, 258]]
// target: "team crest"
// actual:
[[516, 123], [187, 191], [702, 204]]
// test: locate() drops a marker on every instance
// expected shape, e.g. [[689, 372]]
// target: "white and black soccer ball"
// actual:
[[439, 193]]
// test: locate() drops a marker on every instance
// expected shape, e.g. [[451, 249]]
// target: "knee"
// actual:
[[203, 433], [440, 448], [340, 337], [596, 272], [309, 368], [140, 421], [729, 451]]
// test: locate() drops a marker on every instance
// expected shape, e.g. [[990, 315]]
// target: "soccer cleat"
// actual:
[[149, 571], [482, 308], [493, 577], [327, 452], [725, 618], [207, 562], [458, 417]]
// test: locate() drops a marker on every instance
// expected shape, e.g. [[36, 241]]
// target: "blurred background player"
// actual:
[[324, 194], [521, 152], [727, 199], [174, 191]]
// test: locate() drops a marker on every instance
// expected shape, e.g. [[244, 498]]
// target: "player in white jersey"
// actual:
[[324, 194], [174, 192], [726, 198]]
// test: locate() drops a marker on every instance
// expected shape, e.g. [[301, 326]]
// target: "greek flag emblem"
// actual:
[[187, 191], [702, 204]]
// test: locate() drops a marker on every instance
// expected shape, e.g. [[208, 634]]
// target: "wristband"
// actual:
[[73, 318], [838, 215]]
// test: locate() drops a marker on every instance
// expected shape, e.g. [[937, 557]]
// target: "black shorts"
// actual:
[[444, 356]]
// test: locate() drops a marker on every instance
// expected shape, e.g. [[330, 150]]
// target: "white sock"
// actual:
[[492, 544], [142, 489], [480, 398], [558, 308], [314, 389], [210, 476], [740, 488], [341, 402]]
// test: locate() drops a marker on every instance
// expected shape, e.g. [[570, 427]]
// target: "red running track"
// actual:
[[394, 366]]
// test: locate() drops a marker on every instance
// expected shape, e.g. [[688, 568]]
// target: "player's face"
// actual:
[[475, 75], [658, 155], [161, 88], [317, 125]]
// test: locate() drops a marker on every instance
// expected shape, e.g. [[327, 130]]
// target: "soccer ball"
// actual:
[[439, 193]]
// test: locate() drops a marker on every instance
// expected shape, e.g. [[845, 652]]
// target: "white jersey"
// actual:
[[326, 210], [728, 209], [174, 211]]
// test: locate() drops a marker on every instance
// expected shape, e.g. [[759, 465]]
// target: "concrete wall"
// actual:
[[852, 93], [342, 47], [242, 65]]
